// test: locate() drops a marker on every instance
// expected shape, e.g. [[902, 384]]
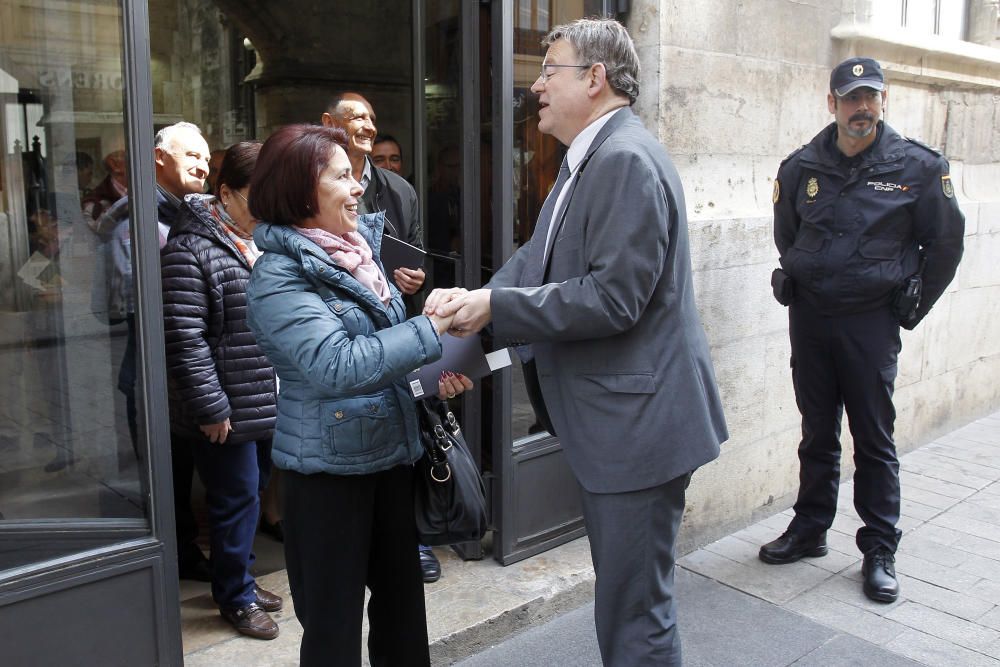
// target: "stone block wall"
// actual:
[[730, 88]]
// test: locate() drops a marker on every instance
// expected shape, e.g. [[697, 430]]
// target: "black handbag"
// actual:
[[449, 495]]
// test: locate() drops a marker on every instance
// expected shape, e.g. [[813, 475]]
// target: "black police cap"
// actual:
[[856, 73]]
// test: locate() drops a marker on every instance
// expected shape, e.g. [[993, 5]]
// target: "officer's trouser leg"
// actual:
[[867, 351], [817, 393]]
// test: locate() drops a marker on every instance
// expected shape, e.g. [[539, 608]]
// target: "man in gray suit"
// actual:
[[602, 295]]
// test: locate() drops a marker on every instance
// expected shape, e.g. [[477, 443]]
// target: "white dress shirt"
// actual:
[[574, 156]]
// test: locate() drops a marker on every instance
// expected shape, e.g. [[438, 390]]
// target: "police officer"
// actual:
[[870, 235]]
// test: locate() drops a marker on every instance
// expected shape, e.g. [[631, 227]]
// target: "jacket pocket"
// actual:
[[624, 383], [353, 317], [880, 248], [809, 239], [354, 426]]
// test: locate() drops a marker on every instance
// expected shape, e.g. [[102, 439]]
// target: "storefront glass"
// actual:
[[536, 156], [71, 477]]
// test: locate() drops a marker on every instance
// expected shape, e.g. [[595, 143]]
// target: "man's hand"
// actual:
[[472, 312], [216, 432], [441, 296], [409, 281]]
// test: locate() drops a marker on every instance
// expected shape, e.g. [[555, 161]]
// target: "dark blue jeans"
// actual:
[[233, 475]]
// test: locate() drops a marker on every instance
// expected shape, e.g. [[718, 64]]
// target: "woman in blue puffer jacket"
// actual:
[[347, 431]]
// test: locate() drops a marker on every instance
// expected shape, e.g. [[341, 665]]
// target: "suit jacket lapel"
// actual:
[[609, 128]]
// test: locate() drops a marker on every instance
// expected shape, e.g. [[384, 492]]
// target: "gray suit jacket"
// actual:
[[621, 356]]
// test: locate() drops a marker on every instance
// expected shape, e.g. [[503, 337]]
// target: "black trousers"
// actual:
[[343, 533], [840, 362], [182, 465]]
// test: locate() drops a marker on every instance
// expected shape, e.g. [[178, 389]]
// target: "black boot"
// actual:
[[879, 570], [790, 547], [430, 566]]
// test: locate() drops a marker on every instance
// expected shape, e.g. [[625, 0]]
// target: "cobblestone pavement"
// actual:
[[948, 562], [733, 609]]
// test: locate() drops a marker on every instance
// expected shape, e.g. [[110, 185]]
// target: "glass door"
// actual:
[[81, 568], [536, 503]]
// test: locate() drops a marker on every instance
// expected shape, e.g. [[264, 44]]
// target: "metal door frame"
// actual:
[[155, 553], [508, 545]]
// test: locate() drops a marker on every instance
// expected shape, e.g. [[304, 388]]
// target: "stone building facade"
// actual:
[[730, 88]]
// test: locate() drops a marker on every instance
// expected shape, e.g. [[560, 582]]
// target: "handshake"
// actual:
[[458, 311]]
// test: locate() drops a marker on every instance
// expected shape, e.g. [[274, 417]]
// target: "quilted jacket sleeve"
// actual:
[[297, 329], [188, 303]]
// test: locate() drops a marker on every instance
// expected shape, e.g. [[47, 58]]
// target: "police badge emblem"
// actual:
[[776, 193], [947, 187], [858, 70], [812, 187]]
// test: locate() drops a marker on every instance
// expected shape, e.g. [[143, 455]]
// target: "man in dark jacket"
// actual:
[[181, 158], [870, 235], [389, 192], [384, 190]]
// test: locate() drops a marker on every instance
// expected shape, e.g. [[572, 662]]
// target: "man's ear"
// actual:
[[158, 156], [598, 79], [326, 119], [831, 103]]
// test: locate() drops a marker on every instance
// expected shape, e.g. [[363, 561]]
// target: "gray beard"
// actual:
[[859, 134]]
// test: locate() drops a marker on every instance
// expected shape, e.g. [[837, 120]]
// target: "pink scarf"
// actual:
[[351, 252]]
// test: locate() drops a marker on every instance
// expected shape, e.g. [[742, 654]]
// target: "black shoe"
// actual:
[[273, 529], [430, 566], [879, 570], [194, 568], [267, 600], [251, 621], [791, 547]]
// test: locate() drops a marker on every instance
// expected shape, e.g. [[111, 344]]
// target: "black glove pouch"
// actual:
[[783, 286]]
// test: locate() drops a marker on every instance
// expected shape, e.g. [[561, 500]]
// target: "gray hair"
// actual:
[[605, 41], [166, 135]]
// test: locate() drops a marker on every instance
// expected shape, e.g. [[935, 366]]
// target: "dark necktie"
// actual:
[[534, 270], [535, 267]]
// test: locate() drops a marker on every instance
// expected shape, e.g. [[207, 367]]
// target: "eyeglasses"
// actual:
[[545, 74], [241, 196]]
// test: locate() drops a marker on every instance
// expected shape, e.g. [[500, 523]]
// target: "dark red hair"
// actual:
[[283, 186]]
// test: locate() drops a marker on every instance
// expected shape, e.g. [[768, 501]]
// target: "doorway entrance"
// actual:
[[85, 498]]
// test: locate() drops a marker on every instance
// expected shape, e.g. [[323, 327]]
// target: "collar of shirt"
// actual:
[[174, 201], [581, 144], [366, 175]]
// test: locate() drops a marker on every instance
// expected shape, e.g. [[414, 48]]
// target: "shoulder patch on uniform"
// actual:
[[917, 142], [776, 192], [946, 186], [794, 153]]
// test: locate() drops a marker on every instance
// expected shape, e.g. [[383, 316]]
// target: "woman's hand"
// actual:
[[217, 432], [441, 323], [451, 384]]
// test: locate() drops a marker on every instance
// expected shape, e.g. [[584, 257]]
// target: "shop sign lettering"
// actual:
[[80, 80]]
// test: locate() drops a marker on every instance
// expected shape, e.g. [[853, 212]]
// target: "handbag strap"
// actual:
[[435, 441]]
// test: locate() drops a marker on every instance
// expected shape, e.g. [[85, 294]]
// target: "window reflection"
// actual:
[[69, 469], [536, 156]]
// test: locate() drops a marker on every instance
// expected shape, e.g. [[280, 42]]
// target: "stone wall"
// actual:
[[730, 88]]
